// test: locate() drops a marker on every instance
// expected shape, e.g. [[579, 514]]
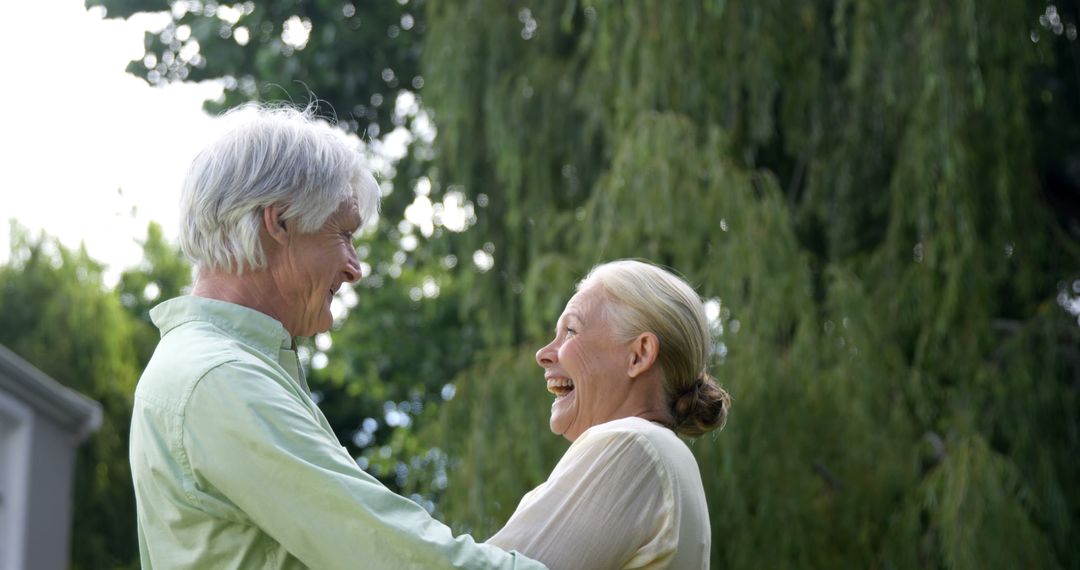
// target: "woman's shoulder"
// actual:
[[639, 436], [632, 435], [634, 428]]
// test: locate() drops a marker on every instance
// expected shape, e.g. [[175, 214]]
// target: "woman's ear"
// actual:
[[644, 350], [273, 224]]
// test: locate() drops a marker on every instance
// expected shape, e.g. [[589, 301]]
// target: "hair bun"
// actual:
[[701, 408]]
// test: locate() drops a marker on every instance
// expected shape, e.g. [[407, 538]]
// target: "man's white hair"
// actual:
[[274, 155]]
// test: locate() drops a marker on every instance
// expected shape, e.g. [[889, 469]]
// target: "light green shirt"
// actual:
[[235, 466]]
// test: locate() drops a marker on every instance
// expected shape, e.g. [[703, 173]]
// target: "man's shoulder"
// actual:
[[187, 355]]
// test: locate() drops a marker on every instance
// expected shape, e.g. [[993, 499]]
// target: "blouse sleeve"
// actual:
[[607, 504]]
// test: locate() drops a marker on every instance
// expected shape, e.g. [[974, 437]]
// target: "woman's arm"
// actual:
[[607, 504]]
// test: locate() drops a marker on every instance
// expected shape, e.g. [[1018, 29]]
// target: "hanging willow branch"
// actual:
[[856, 182]]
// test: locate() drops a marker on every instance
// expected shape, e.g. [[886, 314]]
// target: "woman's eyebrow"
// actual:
[[571, 316]]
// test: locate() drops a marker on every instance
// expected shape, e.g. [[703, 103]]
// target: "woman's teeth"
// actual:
[[560, 386]]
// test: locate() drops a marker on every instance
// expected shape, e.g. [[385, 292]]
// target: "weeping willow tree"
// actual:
[[880, 199], [858, 185]]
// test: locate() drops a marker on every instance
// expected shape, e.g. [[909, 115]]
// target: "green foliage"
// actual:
[[358, 58], [56, 313], [162, 274], [857, 183], [881, 195]]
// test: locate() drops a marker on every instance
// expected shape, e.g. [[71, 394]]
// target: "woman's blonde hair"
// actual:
[[647, 298]]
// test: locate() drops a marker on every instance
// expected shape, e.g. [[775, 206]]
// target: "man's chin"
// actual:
[[324, 323], [313, 330]]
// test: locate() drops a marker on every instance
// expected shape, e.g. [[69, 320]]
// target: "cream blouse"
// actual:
[[627, 494]]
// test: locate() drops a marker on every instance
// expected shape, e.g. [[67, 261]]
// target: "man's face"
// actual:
[[312, 268]]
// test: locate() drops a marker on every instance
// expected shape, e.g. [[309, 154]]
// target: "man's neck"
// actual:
[[254, 290]]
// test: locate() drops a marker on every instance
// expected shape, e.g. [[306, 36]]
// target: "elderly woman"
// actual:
[[234, 465], [628, 371]]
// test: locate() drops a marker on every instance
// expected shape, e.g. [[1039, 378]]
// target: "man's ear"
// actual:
[[275, 227], [644, 350]]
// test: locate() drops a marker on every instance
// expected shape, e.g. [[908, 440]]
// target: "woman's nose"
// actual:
[[547, 355]]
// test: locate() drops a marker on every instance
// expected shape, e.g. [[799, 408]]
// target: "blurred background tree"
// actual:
[[56, 313], [880, 201]]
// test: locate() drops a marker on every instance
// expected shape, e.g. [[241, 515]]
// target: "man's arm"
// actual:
[[251, 443]]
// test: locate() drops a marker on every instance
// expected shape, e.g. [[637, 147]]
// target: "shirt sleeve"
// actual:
[[607, 504], [253, 445]]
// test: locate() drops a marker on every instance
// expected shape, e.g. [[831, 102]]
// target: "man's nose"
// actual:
[[352, 267]]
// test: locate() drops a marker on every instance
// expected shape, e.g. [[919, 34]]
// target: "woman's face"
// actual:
[[585, 366]]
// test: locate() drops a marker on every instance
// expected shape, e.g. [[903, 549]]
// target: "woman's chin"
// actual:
[[562, 414]]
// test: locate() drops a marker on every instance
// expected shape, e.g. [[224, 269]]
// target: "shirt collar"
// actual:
[[260, 330]]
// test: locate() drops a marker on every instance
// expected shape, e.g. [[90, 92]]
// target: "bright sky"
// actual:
[[90, 154]]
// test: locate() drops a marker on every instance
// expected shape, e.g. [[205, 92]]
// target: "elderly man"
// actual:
[[234, 465]]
